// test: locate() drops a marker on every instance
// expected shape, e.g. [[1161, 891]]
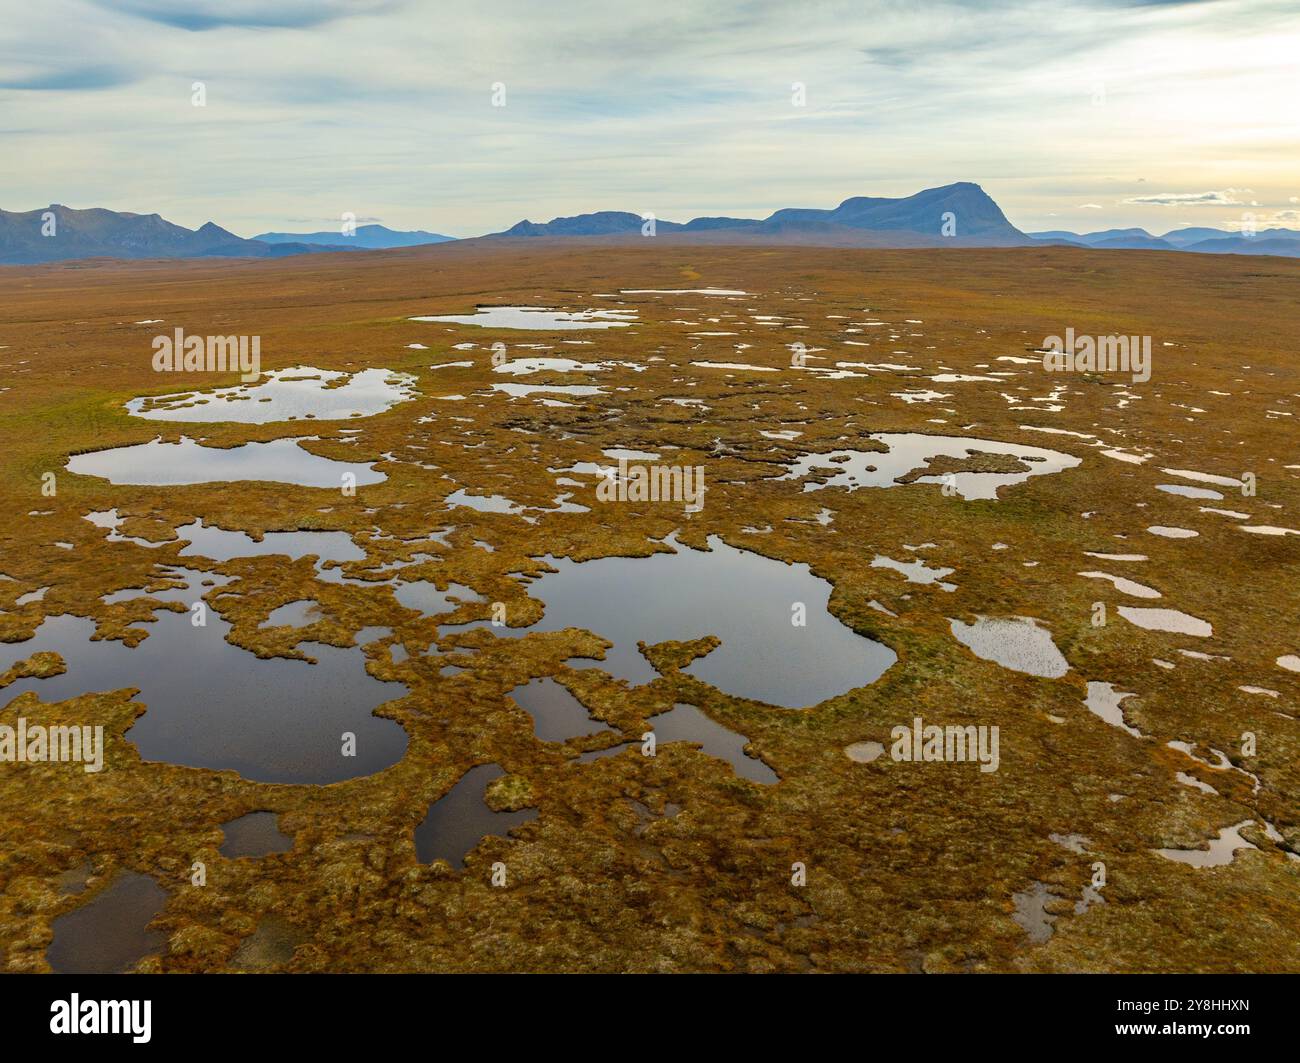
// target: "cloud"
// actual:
[[333, 221], [70, 78], [383, 107], [1266, 221], [1090, 206], [1225, 198], [281, 14]]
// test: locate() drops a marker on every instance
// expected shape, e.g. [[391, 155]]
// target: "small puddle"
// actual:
[[1218, 851], [686, 723], [482, 503], [1183, 491], [110, 934], [1015, 642], [738, 366], [1205, 477], [538, 317], [424, 597], [916, 571], [272, 944], [528, 366], [522, 391], [222, 545], [1170, 620], [74, 880], [460, 819], [302, 613], [285, 395], [912, 451], [1104, 700], [187, 462], [1031, 913], [255, 834], [1126, 586], [557, 714], [682, 291]]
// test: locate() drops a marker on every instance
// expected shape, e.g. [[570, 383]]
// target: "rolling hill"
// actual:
[[367, 237], [94, 233], [911, 221]]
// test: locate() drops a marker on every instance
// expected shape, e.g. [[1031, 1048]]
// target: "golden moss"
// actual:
[[673, 863]]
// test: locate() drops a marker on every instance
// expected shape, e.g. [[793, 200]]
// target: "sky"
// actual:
[[464, 118]]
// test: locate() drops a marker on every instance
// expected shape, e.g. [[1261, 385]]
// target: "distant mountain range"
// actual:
[[106, 233], [99, 233], [1197, 238], [960, 214], [912, 221], [367, 237]]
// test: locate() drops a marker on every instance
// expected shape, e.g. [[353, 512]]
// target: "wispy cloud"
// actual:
[[281, 14], [684, 107], [1225, 198], [65, 78]]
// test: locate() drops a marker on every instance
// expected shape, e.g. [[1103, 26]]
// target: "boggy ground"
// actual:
[[675, 863]]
